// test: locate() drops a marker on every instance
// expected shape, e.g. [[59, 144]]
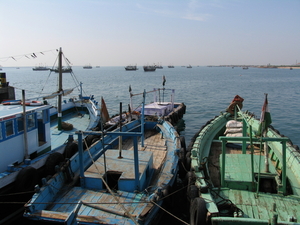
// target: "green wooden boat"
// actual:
[[242, 171]]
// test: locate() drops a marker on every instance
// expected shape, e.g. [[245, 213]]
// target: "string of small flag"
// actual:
[[32, 55]]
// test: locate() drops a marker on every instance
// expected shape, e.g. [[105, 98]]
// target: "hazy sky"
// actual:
[[123, 32]]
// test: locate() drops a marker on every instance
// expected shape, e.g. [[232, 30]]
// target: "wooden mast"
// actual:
[[60, 90]]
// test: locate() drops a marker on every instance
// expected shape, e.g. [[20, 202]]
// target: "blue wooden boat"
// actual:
[[35, 136], [243, 171], [123, 178]]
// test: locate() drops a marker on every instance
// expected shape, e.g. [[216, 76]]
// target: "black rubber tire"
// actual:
[[188, 161], [192, 192], [26, 179], [198, 212], [70, 150], [53, 159], [182, 141], [89, 139]]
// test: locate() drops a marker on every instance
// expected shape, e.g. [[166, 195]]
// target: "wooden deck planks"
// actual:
[[261, 207], [153, 143]]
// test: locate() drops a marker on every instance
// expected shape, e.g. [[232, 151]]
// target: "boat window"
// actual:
[[9, 128], [30, 121], [20, 124]]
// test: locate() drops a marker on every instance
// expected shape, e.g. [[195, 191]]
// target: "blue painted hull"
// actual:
[[115, 194]]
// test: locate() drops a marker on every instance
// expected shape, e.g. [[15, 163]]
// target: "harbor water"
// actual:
[[206, 91]]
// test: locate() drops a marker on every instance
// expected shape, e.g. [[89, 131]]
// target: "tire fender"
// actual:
[[198, 212], [26, 179]]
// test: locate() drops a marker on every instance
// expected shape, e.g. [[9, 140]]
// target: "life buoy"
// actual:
[[26, 179], [33, 103], [198, 212], [53, 159], [11, 103]]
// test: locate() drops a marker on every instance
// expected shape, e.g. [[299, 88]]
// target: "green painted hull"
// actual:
[[232, 177]]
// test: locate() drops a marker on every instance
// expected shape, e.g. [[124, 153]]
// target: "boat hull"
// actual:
[[232, 179], [137, 206]]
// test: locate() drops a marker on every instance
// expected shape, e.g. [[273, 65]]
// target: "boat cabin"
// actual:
[[13, 147]]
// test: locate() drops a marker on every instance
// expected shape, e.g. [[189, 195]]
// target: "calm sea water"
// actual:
[[205, 90]]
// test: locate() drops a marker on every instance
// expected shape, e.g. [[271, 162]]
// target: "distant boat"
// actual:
[[130, 68], [170, 66], [245, 67], [189, 66], [158, 66], [63, 69], [149, 68], [87, 67], [40, 68]]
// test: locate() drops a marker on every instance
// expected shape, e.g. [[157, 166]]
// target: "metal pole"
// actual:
[[284, 167], [252, 159], [136, 163], [244, 135], [120, 137], [25, 126], [223, 163], [143, 119], [266, 150], [80, 152]]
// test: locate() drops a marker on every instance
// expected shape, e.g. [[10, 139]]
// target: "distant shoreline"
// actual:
[[288, 67], [262, 67]]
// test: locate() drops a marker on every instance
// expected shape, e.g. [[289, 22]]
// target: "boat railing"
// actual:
[[283, 141], [251, 139]]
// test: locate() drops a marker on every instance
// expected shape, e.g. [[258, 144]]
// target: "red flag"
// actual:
[[104, 112]]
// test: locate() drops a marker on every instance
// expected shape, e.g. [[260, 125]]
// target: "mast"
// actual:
[[59, 110]]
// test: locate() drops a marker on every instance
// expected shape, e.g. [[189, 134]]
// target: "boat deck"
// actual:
[[214, 161], [253, 206], [80, 121], [262, 207], [101, 202]]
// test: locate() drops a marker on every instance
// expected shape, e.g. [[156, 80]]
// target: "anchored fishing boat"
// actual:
[[125, 175], [67, 69], [130, 67], [36, 136], [148, 68], [40, 68], [87, 67], [243, 171]]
